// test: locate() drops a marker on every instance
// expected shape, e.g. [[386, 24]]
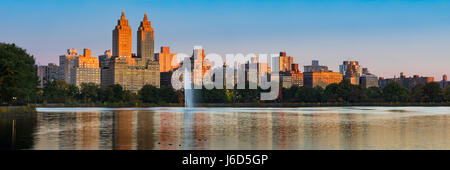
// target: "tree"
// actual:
[[59, 92], [447, 94], [89, 92], [309, 95], [149, 94], [393, 92], [374, 94], [113, 93], [168, 94], [417, 93], [432, 92], [18, 80]]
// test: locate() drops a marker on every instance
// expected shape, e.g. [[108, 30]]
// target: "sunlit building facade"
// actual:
[[131, 72], [86, 69]]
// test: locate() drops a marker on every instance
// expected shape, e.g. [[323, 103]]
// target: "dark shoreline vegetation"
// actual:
[[18, 87]]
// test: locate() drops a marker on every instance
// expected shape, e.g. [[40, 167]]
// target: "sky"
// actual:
[[386, 36]]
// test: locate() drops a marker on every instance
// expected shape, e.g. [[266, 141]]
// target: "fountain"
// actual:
[[188, 90]]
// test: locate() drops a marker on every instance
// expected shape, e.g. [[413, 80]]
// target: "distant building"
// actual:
[[315, 67], [368, 80], [286, 81], [444, 82], [132, 72], [166, 69], [297, 76], [165, 60], [352, 71], [285, 62], [407, 82], [47, 74], [316, 75], [86, 69], [322, 79], [66, 64]]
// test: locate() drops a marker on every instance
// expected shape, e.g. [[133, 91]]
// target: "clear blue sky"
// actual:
[[388, 36]]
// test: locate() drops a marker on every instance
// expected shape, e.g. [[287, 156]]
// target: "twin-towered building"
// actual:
[[129, 70], [119, 67]]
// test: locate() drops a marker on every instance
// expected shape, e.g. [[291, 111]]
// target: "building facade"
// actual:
[[321, 79], [407, 82], [86, 69], [166, 68], [285, 62], [66, 64], [368, 80], [444, 82], [316, 75], [131, 72], [352, 71]]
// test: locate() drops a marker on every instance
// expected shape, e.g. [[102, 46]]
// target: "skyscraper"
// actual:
[[145, 39], [352, 71], [285, 62], [131, 72], [66, 64], [122, 38]]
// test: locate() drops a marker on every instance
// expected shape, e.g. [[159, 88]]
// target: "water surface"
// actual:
[[229, 128]]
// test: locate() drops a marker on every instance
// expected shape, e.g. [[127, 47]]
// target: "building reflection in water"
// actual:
[[172, 129]]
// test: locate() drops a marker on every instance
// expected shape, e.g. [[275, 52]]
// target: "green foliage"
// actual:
[[89, 92], [18, 80], [59, 92], [149, 94], [393, 92], [374, 94], [447, 94], [168, 95], [432, 92]]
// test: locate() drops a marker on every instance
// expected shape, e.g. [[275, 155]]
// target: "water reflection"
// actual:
[[227, 128]]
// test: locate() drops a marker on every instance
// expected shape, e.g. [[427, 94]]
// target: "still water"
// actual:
[[229, 128]]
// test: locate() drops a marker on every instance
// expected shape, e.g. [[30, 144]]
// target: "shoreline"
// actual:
[[250, 105]]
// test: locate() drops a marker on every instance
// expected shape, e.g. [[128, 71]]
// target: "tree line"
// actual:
[[349, 93]]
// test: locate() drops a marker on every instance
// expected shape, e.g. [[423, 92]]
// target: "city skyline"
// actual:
[[392, 43]]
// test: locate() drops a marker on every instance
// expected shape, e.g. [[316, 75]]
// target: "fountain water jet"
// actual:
[[188, 90]]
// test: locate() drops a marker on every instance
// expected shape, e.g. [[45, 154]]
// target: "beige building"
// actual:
[[285, 62], [132, 72], [322, 79], [86, 69], [66, 64]]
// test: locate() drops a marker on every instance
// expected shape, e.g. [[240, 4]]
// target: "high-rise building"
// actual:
[[41, 74], [131, 72], [198, 67], [66, 64], [166, 68], [297, 76], [145, 40], [122, 38], [352, 71], [285, 62], [86, 69], [316, 75], [315, 67], [165, 60]]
